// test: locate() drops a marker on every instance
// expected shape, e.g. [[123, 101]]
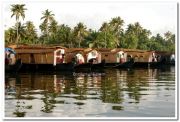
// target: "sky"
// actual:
[[158, 17]]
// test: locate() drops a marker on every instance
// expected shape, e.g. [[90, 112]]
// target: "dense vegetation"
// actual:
[[110, 35]]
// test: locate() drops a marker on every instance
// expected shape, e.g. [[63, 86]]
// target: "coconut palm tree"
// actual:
[[80, 33], [169, 37], [10, 34], [104, 28], [116, 24], [116, 28], [47, 18], [31, 34], [65, 35], [53, 28], [18, 11], [21, 31]]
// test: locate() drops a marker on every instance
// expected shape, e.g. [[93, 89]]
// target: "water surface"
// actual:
[[113, 93]]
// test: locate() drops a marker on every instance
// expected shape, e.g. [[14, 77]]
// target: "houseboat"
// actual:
[[58, 58], [116, 58], [42, 58], [85, 59], [148, 59]]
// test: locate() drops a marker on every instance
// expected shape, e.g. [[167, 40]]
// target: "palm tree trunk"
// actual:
[[17, 34], [79, 45], [105, 40], [71, 44]]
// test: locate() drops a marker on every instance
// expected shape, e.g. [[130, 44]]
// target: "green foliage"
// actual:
[[110, 35], [80, 33], [18, 11]]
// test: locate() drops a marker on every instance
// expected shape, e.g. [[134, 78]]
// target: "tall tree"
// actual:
[[116, 29], [10, 35], [21, 31], [18, 11], [80, 33], [47, 18], [169, 37], [31, 34], [64, 36], [104, 28], [130, 39], [53, 28]]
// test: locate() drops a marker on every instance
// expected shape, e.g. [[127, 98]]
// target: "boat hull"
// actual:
[[89, 67], [152, 64], [47, 67], [14, 68], [128, 64]]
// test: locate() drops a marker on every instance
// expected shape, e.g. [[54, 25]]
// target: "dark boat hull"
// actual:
[[14, 68], [36, 67], [47, 67], [151, 64], [89, 67], [64, 67], [128, 64]]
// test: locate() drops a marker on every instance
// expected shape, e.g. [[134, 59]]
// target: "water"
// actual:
[[114, 93]]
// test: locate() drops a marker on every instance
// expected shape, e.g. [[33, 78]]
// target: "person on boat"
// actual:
[[122, 59], [154, 59], [10, 58], [6, 58], [93, 61], [80, 60], [60, 59], [158, 58]]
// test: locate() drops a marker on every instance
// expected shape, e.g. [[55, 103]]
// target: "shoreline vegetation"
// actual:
[[110, 35]]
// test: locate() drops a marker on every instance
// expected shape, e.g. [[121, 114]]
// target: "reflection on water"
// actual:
[[115, 93]]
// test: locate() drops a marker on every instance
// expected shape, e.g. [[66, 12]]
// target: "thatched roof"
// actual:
[[74, 50], [52, 48], [103, 49], [36, 49]]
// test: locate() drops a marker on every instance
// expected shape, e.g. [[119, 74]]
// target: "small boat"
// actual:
[[128, 64], [13, 68]]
